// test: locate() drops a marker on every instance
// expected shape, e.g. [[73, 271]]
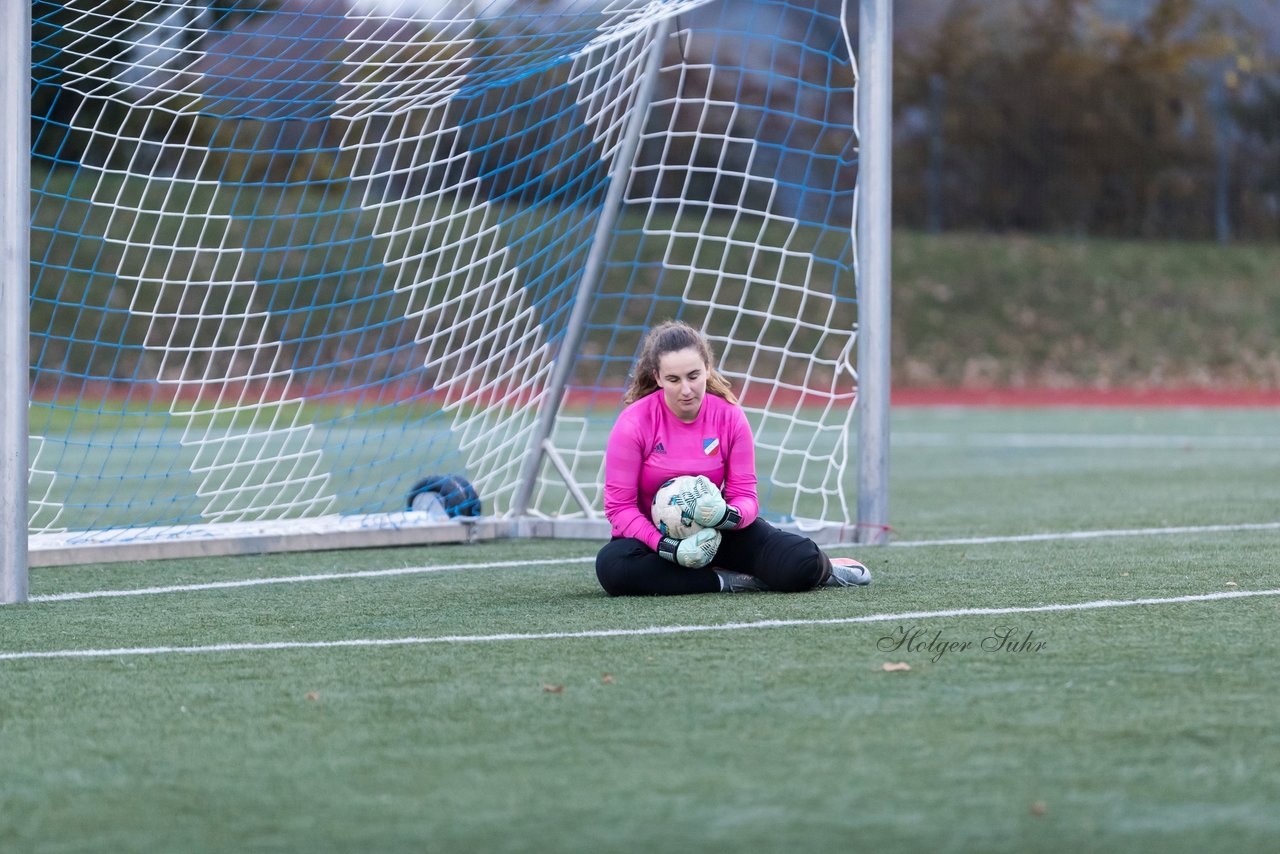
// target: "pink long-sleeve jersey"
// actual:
[[649, 445]]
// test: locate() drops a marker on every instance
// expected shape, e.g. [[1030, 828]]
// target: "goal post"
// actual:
[[15, 89], [874, 225], [296, 264]]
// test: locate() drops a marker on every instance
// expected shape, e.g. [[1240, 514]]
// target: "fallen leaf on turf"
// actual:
[[553, 689], [607, 679], [891, 666], [1039, 808], [313, 696]]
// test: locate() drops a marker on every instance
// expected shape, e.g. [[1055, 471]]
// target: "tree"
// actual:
[[1062, 120]]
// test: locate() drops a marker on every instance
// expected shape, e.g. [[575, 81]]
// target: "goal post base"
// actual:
[[328, 533], [248, 538]]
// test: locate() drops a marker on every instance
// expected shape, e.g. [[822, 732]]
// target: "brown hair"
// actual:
[[673, 336]]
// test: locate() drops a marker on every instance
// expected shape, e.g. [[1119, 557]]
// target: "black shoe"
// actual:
[[739, 582]]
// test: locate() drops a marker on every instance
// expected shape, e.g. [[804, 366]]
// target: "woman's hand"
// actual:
[[709, 507], [692, 552]]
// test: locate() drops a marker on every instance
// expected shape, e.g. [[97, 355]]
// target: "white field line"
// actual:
[[642, 632], [515, 564], [920, 439], [1092, 535]]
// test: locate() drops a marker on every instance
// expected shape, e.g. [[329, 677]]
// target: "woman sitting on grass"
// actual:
[[671, 426]]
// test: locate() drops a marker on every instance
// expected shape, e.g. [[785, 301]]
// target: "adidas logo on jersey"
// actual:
[[658, 449]]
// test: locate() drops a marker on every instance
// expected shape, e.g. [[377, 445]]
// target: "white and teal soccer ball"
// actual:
[[669, 513]]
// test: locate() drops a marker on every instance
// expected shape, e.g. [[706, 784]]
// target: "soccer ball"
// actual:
[[672, 519]]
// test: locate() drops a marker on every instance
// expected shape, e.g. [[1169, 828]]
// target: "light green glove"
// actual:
[[691, 552], [710, 509]]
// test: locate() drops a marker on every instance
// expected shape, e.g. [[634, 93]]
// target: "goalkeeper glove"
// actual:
[[710, 509], [691, 552]]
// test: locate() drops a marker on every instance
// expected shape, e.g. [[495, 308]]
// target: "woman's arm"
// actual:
[[622, 461], [740, 470]]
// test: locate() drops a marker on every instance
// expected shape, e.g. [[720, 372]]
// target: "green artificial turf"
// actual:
[[1134, 728]]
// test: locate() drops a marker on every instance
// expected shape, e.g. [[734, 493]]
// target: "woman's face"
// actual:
[[682, 376]]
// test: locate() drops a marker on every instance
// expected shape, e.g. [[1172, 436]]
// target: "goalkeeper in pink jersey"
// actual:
[[683, 419]]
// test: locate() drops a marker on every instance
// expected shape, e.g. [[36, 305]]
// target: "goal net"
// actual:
[[291, 258]]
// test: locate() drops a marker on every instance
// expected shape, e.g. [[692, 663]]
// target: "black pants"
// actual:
[[786, 562]]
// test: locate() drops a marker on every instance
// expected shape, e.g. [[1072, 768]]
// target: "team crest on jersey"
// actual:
[[710, 446]]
